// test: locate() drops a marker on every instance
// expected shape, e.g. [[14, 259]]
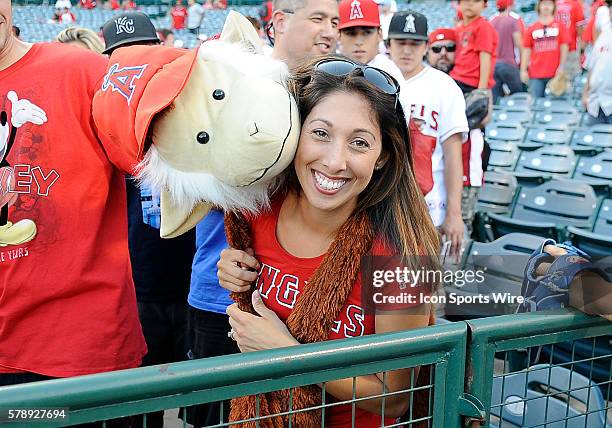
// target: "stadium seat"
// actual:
[[564, 202], [596, 171], [557, 104], [553, 161], [603, 223], [542, 135], [504, 132], [511, 115], [599, 135], [501, 265], [546, 209], [560, 117], [547, 395], [596, 245], [504, 155], [518, 99], [497, 192], [494, 226]]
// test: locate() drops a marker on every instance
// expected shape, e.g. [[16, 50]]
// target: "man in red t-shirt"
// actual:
[[178, 13], [67, 300], [545, 49], [571, 14], [477, 43]]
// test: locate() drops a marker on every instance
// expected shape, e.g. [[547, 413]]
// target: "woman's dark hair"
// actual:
[[392, 199]]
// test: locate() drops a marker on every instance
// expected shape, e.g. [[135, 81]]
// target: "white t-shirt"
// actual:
[[602, 18], [436, 108], [600, 67], [195, 13], [383, 62]]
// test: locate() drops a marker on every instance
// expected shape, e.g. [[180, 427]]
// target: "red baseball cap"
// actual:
[[443, 34], [504, 4], [358, 13]]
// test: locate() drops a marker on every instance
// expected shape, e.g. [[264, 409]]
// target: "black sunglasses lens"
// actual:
[[336, 67], [438, 49], [378, 79]]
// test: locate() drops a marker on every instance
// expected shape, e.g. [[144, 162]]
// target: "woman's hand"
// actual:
[[256, 333], [237, 269]]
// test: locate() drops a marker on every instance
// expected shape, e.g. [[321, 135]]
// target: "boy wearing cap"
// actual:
[[360, 35], [441, 55], [475, 60], [437, 124]]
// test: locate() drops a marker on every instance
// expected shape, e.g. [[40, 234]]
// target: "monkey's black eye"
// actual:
[[203, 137], [218, 94]]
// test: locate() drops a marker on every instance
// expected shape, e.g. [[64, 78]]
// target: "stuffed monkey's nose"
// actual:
[[253, 129]]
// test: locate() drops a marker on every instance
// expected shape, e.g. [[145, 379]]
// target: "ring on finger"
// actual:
[[231, 334]]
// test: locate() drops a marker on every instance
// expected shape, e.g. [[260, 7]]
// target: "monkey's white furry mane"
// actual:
[[189, 188]]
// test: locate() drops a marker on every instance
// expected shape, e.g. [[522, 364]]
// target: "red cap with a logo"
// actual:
[[504, 4], [358, 13], [443, 34]]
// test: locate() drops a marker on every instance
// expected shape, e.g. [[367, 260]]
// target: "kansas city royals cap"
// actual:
[[128, 28], [408, 25]]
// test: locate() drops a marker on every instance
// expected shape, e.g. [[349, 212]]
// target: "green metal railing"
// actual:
[[129, 392], [474, 366]]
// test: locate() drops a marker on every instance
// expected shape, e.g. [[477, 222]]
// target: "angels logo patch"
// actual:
[[356, 12], [122, 79]]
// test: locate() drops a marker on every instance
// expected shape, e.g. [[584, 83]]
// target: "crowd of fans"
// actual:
[[71, 272]]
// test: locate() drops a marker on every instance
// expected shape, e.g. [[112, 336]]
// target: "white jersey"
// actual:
[[436, 108], [383, 62], [599, 65]]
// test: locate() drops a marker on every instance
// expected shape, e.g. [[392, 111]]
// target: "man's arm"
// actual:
[[517, 37], [453, 181], [485, 70]]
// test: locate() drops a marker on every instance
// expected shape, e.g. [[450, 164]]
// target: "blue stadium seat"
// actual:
[[554, 161], [553, 104]]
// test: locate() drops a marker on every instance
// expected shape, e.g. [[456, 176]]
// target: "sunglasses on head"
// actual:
[[449, 48], [379, 78]]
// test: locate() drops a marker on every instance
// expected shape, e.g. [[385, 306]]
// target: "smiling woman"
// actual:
[[350, 193]]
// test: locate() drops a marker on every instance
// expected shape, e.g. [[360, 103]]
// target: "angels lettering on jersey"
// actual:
[[545, 39], [282, 289], [19, 178]]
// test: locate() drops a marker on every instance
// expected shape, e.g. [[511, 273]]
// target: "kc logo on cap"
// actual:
[[409, 26], [124, 25], [356, 12]]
